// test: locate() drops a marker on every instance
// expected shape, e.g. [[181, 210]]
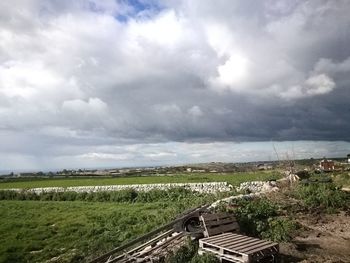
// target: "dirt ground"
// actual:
[[323, 238]]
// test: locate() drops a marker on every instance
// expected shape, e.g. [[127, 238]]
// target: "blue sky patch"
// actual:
[[139, 7]]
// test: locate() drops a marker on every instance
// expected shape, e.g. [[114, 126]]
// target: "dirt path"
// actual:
[[324, 239]]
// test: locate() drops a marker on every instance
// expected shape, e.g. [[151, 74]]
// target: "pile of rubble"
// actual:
[[251, 190], [211, 187], [257, 186]]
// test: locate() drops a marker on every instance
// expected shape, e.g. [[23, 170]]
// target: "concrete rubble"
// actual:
[[257, 186], [254, 189]]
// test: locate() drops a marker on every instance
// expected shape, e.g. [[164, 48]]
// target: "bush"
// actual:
[[206, 258], [325, 196], [189, 253], [279, 229], [122, 196], [253, 215], [183, 254], [259, 218]]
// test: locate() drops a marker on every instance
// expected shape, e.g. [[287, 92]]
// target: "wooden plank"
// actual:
[[243, 245], [221, 240], [165, 243], [235, 246], [206, 239], [254, 250], [231, 241], [225, 236], [150, 242], [224, 221], [216, 216], [233, 257], [221, 229], [215, 224], [262, 245], [211, 228]]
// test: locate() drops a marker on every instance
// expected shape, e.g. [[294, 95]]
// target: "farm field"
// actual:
[[231, 178], [39, 231], [77, 231]]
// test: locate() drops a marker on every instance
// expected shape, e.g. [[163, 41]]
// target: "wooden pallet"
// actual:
[[230, 247], [219, 223]]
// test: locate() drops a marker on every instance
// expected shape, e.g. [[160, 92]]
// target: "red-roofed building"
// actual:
[[327, 165]]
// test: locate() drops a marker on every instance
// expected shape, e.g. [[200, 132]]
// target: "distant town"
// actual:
[[321, 165]]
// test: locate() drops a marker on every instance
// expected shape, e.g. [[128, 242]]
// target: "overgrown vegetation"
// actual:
[[342, 178], [322, 196], [32, 231], [123, 196], [260, 218], [188, 253]]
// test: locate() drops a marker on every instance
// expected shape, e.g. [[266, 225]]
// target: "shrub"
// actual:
[[183, 254], [279, 229], [253, 215], [206, 258], [322, 196], [122, 196], [189, 253], [259, 218]]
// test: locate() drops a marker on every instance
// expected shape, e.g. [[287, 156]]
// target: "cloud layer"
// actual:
[[77, 74]]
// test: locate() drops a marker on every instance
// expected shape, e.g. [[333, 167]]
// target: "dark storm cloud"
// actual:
[[81, 75]]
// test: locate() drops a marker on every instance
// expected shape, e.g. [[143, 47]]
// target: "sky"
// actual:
[[90, 83]]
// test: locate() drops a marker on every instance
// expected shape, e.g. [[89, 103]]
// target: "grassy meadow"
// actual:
[[50, 231], [75, 231]]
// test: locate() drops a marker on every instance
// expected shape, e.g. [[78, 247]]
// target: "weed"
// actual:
[[324, 196]]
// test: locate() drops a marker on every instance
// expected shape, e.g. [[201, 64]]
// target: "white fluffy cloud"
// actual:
[[96, 72]]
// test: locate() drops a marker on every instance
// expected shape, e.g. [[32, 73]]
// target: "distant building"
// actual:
[[198, 171], [327, 165], [349, 158], [264, 166]]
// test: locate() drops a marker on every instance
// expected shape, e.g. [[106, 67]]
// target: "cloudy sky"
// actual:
[[90, 83]]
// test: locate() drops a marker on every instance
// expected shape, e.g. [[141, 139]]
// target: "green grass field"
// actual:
[[232, 178], [53, 231], [38, 231]]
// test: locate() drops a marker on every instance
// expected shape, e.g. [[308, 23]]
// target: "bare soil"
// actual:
[[322, 238]]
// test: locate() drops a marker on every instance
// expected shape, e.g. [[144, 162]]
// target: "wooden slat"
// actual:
[[219, 223], [224, 236], [224, 221], [167, 233], [216, 216], [257, 245], [214, 237], [235, 241], [247, 244], [221, 229], [238, 247], [249, 249], [259, 249]]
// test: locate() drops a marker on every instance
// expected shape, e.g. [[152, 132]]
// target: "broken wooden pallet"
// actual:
[[218, 223], [230, 247]]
